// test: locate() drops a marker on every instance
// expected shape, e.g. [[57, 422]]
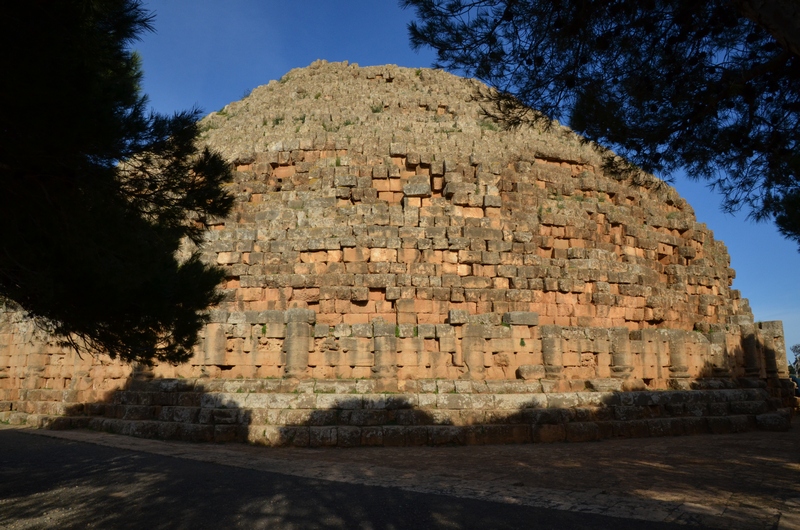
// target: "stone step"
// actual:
[[369, 409], [415, 416], [512, 398], [405, 435], [340, 386], [48, 394], [45, 421], [270, 415]]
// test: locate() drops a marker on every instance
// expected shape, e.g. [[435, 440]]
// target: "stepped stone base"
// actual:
[[430, 412]]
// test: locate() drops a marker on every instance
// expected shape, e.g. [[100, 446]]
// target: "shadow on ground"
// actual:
[[47, 483]]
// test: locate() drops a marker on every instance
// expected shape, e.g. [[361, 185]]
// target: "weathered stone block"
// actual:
[[323, 436], [521, 318], [347, 180], [582, 432], [418, 186], [774, 421], [273, 330], [348, 436], [543, 433], [458, 316]]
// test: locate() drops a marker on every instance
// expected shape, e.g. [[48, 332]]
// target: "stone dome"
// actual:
[[386, 192]]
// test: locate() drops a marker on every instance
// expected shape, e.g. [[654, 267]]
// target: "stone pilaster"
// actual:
[[299, 340], [472, 347], [720, 362], [621, 359], [385, 340], [678, 359], [774, 348], [752, 366], [552, 352]]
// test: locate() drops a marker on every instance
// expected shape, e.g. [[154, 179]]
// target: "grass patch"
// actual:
[[488, 125]]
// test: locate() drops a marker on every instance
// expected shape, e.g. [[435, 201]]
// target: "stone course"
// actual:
[[435, 412], [386, 231]]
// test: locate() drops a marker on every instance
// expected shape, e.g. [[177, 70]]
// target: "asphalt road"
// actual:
[[54, 483]]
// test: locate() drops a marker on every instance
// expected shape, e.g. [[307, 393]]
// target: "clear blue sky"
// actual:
[[207, 53]]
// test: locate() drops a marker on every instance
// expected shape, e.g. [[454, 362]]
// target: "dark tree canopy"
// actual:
[[794, 364], [712, 86], [97, 193]]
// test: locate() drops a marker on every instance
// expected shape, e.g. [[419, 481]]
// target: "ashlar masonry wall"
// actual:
[[513, 346], [407, 241], [487, 346]]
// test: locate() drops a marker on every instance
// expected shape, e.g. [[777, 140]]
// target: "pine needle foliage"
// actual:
[[98, 194], [710, 87]]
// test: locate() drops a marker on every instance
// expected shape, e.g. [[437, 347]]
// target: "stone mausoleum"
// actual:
[[402, 269]]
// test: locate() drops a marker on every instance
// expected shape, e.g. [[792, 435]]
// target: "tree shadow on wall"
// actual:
[[281, 412], [168, 409], [398, 421]]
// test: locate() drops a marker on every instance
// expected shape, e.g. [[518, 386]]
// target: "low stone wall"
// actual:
[[433, 412]]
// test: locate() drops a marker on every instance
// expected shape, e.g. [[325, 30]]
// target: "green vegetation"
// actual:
[[609, 69], [488, 125], [97, 193]]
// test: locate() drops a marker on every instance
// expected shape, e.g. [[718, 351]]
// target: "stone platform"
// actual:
[[423, 412]]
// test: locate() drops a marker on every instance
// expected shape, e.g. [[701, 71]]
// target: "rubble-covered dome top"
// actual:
[[386, 193]]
